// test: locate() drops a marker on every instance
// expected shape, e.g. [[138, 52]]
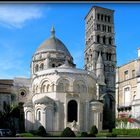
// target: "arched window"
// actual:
[[42, 66], [63, 85], [44, 88], [98, 39], [38, 114], [60, 87], [98, 27], [104, 40], [102, 17], [127, 96], [87, 59], [59, 64], [91, 57], [98, 16], [36, 68], [110, 40], [109, 18], [48, 88], [105, 17], [77, 88], [53, 65]]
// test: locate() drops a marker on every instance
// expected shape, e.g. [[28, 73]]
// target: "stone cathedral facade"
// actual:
[[59, 95]]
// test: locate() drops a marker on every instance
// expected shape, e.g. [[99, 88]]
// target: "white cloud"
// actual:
[[15, 15]]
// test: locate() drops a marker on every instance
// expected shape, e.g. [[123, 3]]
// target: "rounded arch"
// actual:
[[45, 85], [72, 111], [108, 110], [29, 120], [41, 66], [36, 68], [63, 84], [80, 86], [38, 114]]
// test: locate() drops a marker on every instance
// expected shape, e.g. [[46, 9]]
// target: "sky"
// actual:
[[25, 26]]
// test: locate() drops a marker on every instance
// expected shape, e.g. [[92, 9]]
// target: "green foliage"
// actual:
[[84, 134], [111, 135], [127, 132], [93, 130], [91, 135], [26, 135], [67, 132], [101, 134], [41, 131]]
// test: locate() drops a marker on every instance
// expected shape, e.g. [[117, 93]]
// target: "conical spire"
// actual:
[[52, 32], [100, 70], [99, 60]]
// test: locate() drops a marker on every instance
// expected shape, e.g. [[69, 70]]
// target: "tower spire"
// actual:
[[52, 32]]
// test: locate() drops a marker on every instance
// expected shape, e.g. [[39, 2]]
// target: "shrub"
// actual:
[[26, 135], [93, 130], [91, 135], [111, 135], [128, 132], [41, 131], [84, 134], [67, 132]]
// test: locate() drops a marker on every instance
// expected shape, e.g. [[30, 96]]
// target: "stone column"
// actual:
[[57, 111], [65, 114], [43, 118], [86, 115], [94, 38], [79, 116]]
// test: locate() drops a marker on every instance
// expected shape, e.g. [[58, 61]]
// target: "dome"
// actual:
[[53, 44]]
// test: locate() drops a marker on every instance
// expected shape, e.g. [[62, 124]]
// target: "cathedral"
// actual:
[[59, 95]]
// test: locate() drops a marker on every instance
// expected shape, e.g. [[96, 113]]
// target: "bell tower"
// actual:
[[100, 57]]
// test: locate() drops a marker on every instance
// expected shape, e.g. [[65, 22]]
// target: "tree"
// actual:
[[93, 130], [67, 132]]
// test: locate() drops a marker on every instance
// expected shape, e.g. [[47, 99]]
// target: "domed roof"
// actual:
[[53, 44]]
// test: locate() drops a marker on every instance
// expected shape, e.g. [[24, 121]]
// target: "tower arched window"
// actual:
[[104, 39], [53, 65], [98, 16], [87, 59], [110, 40], [98, 39], [105, 18], [109, 18], [102, 17], [91, 57]]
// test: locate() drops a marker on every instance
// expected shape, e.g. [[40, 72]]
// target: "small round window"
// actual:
[[23, 93]]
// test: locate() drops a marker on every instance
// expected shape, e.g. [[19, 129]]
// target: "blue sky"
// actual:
[[23, 27]]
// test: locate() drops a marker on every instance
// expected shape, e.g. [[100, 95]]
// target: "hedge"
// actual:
[[130, 132]]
